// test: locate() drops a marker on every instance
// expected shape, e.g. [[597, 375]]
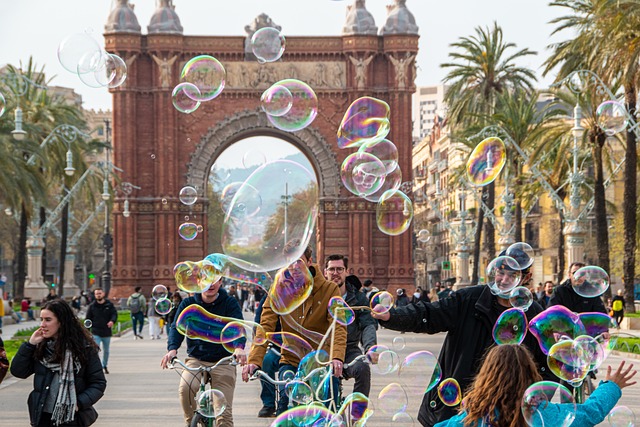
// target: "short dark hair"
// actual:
[[98, 289], [578, 264], [307, 253], [337, 257], [138, 288], [368, 282]]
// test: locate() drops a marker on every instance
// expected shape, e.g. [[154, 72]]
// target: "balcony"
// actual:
[[442, 165]]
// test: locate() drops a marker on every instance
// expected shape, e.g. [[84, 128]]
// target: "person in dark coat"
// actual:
[[103, 315], [68, 377], [565, 295], [545, 299], [468, 317]]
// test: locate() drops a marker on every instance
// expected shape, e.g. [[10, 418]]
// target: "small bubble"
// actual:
[[164, 201], [188, 139], [362, 248], [432, 403], [88, 323], [200, 228], [153, 157], [186, 217]]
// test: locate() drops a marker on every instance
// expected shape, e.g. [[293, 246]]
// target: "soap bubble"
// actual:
[[188, 230], [394, 212], [207, 74], [385, 151], [366, 120], [276, 101], [159, 292], [419, 372], [188, 195], [88, 323], [521, 298], [621, 416], [449, 392], [503, 274], [568, 361], [392, 181], [292, 286], [612, 117], [510, 328], [163, 306], [76, 46], [253, 158], [381, 302], [398, 343], [362, 173], [554, 323], [211, 403], [340, 310], [304, 107], [537, 398], [181, 101], [486, 161], [590, 281], [268, 44], [392, 399], [523, 253]]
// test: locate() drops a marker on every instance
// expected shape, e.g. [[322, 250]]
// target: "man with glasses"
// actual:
[[567, 296]]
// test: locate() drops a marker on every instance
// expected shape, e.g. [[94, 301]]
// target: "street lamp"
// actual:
[[18, 133], [107, 240]]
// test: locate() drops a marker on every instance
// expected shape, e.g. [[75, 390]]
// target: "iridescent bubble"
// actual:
[[510, 328], [537, 410], [388, 361], [197, 323], [188, 195], [304, 107], [419, 372], [591, 351], [392, 181], [523, 253], [486, 161], [384, 150], [621, 416], [590, 281], [449, 392], [392, 399], [356, 408], [398, 343], [267, 44], [3, 104], [394, 212], [366, 120], [195, 276], [242, 334], [503, 275], [253, 158], [276, 101], [521, 298], [340, 310], [199, 228], [211, 403], [279, 235], [299, 392], [163, 306], [88, 323], [290, 342], [159, 292], [381, 302], [554, 323], [362, 173], [223, 264], [188, 230], [596, 323], [612, 117], [207, 74], [76, 46], [181, 101], [314, 360], [292, 286], [423, 236], [314, 414], [568, 362]]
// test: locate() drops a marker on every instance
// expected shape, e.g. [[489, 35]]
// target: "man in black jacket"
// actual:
[[216, 301], [363, 328], [468, 317], [565, 295], [102, 315]]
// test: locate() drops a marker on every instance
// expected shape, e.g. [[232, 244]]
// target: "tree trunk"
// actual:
[[476, 243], [43, 219], [629, 204], [64, 224], [490, 230], [22, 253], [560, 271], [599, 204], [518, 222]]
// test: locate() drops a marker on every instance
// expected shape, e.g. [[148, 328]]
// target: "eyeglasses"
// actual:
[[336, 269]]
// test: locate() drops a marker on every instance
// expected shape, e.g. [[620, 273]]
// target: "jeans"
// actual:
[[270, 367], [283, 403], [361, 372], [105, 341], [137, 318]]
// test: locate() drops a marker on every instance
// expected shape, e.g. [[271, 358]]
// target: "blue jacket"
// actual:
[[590, 413], [204, 350]]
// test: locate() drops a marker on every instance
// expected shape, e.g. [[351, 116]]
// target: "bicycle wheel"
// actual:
[[200, 421]]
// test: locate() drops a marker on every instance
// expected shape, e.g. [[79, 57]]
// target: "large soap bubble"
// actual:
[[553, 324], [392, 399], [76, 47], [590, 281], [510, 328], [419, 372], [392, 181], [303, 110], [621, 416], [503, 275], [276, 101], [612, 117], [362, 173], [537, 410], [568, 361], [107, 70], [268, 44], [211, 403], [188, 195], [384, 150], [277, 235], [521, 298], [207, 74], [366, 120], [292, 286], [394, 212], [486, 161], [523, 253]]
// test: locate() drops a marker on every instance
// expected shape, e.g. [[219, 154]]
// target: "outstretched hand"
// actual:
[[376, 314], [620, 376]]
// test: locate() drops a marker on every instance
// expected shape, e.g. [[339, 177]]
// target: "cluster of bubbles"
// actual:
[[82, 55], [188, 196], [202, 79], [160, 299], [373, 172]]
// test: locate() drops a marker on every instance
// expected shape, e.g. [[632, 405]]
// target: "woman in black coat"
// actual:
[[68, 377]]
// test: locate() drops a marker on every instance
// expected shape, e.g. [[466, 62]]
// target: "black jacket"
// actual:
[[100, 315], [225, 306], [468, 316], [363, 328], [566, 296], [90, 383]]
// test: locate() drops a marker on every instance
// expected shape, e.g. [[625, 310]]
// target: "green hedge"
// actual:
[[628, 345], [11, 346]]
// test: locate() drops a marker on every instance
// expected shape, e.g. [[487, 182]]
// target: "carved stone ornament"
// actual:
[[318, 75]]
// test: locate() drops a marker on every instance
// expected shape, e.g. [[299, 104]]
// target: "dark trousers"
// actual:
[[618, 316], [283, 403], [137, 319], [361, 372], [270, 367]]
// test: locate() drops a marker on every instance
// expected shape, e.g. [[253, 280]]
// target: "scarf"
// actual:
[[65, 407]]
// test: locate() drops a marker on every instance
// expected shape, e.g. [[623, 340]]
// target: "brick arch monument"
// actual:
[[161, 150]]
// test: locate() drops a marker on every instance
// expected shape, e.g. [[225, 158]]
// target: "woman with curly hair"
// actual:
[[495, 396], [68, 377]]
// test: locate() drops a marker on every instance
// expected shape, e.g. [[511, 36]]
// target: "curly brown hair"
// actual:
[[496, 392]]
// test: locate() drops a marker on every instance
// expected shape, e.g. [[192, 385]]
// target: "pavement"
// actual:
[[140, 393]]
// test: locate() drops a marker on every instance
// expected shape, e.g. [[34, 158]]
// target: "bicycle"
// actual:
[[205, 413]]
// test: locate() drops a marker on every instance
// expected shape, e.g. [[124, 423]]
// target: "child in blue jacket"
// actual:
[[495, 396]]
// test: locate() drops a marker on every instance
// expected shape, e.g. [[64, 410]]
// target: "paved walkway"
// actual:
[[139, 393]]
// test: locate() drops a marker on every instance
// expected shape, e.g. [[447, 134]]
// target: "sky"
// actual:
[[36, 28]]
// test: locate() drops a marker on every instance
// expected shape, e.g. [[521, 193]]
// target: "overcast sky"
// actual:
[[36, 27]]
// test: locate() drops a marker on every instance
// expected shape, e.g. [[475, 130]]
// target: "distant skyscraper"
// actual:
[[428, 101]]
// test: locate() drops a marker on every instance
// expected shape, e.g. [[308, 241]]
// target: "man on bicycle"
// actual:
[[361, 330], [202, 353], [311, 315]]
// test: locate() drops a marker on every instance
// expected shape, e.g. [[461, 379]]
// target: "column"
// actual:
[[70, 287], [35, 288], [574, 241]]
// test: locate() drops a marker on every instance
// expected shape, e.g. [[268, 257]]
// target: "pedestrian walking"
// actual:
[[137, 305], [103, 315]]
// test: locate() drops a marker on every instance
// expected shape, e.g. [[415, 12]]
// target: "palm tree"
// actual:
[[482, 69], [607, 43]]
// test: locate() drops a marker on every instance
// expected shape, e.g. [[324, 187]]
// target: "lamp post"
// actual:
[[107, 239]]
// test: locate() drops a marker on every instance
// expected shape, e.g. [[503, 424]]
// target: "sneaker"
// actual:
[[106, 371], [267, 412], [141, 337]]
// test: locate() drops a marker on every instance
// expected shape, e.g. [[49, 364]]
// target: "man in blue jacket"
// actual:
[[216, 301]]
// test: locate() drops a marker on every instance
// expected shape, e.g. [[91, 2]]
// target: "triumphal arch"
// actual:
[[161, 149]]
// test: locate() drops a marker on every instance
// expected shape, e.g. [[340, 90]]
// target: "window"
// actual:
[[100, 131]]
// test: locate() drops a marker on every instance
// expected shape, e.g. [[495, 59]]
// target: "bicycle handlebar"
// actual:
[[258, 373], [231, 359]]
